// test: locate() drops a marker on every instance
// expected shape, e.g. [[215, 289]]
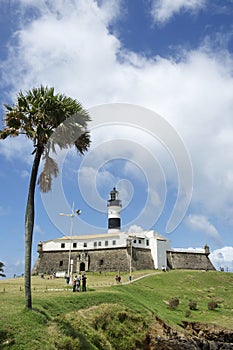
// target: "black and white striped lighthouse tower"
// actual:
[[114, 212]]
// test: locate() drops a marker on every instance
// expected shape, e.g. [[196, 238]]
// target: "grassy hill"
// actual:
[[109, 315]]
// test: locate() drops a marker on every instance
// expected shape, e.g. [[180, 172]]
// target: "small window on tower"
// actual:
[[99, 244], [95, 244], [147, 242], [101, 262], [139, 241], [114, 242], [62, 245], [135, 241], [85, 244], [106, 243], [75, 245], [61, 263]]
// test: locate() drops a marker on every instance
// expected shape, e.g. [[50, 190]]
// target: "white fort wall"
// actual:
[[87, 242], [147, 240]]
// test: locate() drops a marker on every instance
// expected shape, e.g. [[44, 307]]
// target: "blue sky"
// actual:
[[173, 58]]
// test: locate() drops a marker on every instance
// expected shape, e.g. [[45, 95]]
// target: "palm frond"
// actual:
[[45, 182], [50, 170], [83, 142], [51, 166]]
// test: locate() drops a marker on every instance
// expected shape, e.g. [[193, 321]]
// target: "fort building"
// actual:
[[116, 250]]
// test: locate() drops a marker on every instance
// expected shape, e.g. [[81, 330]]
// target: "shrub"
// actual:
[[173, 303], [192, 305], [187, 313], [212, 305], [122, 316]]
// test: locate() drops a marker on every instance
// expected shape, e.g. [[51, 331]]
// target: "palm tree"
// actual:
[[1, 270], [51, 121]]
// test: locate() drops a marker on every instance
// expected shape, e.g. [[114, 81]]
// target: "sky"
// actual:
[[156, 78]]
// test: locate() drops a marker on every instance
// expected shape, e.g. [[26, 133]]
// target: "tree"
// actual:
[[51, 121], [1, 270]]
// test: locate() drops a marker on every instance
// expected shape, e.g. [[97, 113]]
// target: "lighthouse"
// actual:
[[114, 211]]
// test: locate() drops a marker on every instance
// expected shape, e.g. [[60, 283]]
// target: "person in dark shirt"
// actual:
[[84, 283]]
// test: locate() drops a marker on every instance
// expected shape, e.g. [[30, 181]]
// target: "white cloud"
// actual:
[[65, 35], [131, 169], [223, 258], [89, 180], [135, 229], [200, 223], [154, 199], [17, 148], [163, 10]]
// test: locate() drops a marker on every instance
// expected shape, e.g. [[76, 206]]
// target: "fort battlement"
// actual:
[[188, 260]]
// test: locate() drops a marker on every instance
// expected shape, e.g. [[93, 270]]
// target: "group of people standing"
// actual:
[[80, 283], [118, 278]]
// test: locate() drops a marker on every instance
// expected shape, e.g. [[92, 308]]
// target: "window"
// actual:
[[135, 241], [147, 242], [139, 241], [75, 245], [101, 262], [62, 245], [95, 244], [85, 244], [114, 242], [106, 243], [61, 263], [99, 244]]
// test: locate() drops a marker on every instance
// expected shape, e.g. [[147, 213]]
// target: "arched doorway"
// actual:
[[82, 267]]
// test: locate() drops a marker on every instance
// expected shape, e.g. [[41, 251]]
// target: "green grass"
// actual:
[[107, 312]]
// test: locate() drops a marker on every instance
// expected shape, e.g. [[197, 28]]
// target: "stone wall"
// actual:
[[48, 262], [109, 260], [117, 259], [188, 260], [142, 259]]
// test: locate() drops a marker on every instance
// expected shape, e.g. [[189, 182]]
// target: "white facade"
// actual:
[[87, 242], [157, 244]]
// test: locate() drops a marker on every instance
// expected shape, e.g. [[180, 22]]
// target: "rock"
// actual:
[[195, 336]]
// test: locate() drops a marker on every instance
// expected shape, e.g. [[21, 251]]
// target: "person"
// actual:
[[116, 278], [84, 283], [67, 279], [119, 278], [74, 284], [78, 281]]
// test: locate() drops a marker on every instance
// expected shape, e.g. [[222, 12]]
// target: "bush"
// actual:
[[187, 313], [173, 303], [212, 305], [192, 305]]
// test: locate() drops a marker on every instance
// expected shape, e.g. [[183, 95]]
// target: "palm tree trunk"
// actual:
[[29, 225]]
